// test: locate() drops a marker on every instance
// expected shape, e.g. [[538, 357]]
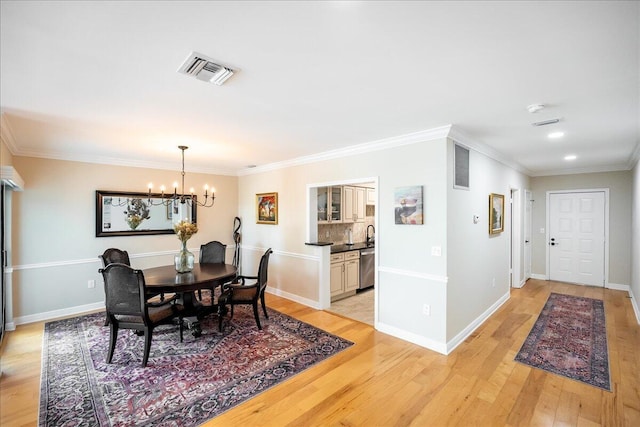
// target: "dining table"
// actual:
[[165, 279]]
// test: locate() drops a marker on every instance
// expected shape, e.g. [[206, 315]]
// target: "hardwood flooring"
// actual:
[[384, 381]]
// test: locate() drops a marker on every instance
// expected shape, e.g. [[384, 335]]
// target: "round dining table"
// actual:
[[165, 279]]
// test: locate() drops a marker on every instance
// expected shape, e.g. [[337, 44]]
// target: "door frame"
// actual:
[[606, 228], [515, 224], [527, 227]]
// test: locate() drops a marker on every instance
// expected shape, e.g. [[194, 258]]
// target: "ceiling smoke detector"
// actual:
[[534, 108], [204, 68]]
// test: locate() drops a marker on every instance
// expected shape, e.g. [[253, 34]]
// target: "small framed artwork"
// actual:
[[408, 205], [496, 213], [267, 208]]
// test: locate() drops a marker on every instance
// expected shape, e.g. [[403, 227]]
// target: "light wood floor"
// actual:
[[383, 381]]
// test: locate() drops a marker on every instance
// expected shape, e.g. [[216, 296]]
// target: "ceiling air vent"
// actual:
[[204, 68], [545, 122]]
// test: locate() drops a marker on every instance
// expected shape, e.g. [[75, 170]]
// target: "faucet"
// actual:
[[370, 238]]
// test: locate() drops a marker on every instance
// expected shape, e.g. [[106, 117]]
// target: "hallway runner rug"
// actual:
[[570, 339], [184, 384]]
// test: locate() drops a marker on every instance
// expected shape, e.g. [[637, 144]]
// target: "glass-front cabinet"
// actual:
[[329, 205]]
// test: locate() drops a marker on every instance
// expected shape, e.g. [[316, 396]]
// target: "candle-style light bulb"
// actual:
[[191, 190], [162, 188], [175, 184], [150, 186]]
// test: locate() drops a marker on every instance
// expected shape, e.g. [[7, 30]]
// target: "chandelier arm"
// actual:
[[167, 200]]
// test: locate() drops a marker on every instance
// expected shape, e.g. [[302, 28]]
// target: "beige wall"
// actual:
[[6, 158], [620, 193], [54, 245]]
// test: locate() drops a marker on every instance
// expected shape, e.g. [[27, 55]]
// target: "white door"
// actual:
[[527, 234], [576, 237]]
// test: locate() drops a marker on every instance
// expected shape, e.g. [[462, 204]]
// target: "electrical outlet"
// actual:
[[326, 234], [91, 284], [436, 251], [426, 310]]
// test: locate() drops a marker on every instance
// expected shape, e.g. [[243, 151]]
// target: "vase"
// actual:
[[184, 259]]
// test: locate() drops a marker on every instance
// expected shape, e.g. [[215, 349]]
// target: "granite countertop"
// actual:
[[343, 248], [355, 247], [319, 243]]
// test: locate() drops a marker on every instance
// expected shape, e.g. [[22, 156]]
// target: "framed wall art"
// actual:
[[267, 208], [496, 213], [408, 205]]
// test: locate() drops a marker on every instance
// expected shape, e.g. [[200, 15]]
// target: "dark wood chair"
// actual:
[[127, 307], [110, 256], [213, 252], [243, 293]]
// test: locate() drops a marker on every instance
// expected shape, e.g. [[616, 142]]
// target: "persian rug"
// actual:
[[570, 339], [184, 384]]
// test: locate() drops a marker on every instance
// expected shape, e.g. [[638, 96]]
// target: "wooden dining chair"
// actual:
[[128, 308], [243, 293], [213, 252], [113, 255]]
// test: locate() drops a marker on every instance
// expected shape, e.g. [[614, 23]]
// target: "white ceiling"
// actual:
[[98, 81]]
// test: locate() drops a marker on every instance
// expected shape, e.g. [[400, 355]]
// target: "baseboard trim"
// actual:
[[464, 334], [634, 304], [539, 276], [296, 298], [413, 338], [618, 287], [54, 314]]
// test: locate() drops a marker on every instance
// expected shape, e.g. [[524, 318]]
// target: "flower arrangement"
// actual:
[[137, 211], [184, 230]]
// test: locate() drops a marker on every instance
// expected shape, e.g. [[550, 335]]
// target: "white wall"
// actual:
[[620, 198], [408, 274], [635, 239], [478, 262]]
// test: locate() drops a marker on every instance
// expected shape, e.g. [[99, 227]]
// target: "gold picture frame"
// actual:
[[267, 208], [496, 213]]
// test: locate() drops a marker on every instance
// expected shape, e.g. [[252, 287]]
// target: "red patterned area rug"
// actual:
[[570, 339], [184, 384]]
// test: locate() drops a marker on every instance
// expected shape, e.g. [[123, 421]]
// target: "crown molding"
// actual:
[[461, 137], [352, 150], [7, 135], [575, 171], [116, 161]]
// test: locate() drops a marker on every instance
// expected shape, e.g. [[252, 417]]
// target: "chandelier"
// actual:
[[182, 197]]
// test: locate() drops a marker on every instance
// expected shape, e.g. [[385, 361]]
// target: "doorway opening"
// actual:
[[343, 213]]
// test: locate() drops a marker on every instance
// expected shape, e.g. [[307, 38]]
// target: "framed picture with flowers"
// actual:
[[267, 208]]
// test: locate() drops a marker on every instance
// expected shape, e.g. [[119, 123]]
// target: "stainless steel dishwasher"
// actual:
[[367, 268]]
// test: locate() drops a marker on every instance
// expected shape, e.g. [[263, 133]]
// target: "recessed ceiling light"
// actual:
[[555, 135], [570, 157]]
